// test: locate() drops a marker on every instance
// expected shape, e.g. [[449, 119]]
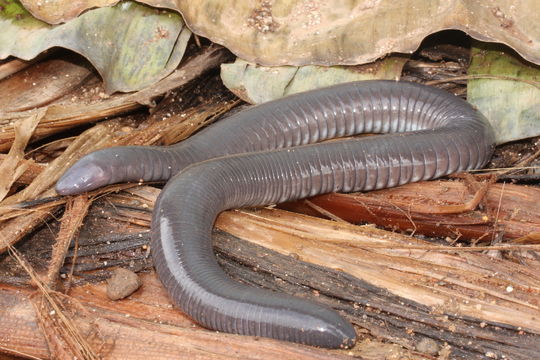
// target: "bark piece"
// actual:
[[392, 287], [41, 84], [135, 332], [510, 211]]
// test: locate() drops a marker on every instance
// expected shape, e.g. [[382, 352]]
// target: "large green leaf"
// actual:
[[512, 106], [257, 84], [131, 45], [344, 32]]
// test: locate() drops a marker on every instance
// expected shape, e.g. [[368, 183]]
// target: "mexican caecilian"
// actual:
[[262, 156]]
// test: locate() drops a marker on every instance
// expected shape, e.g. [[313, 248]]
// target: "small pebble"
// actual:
[[428, 346], [122, 283]]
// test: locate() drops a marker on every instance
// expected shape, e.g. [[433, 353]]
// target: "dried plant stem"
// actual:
[[72, 220], [79, 346]]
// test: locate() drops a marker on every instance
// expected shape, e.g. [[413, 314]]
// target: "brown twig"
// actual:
[[19, 354], [76, 210], [324, 212], [529, 238], [496, 222]]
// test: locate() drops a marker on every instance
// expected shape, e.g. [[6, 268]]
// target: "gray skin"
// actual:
[[259, 156]]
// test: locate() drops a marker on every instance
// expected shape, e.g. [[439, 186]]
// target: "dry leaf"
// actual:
[[12, 167]]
